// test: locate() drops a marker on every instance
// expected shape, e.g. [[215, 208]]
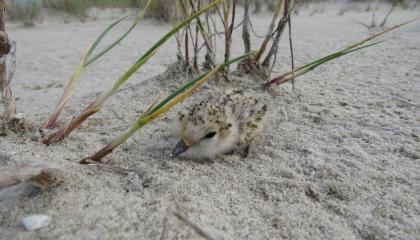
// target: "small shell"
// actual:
[[35, 222]]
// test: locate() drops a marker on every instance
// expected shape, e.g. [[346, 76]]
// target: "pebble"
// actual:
[[35, 222]]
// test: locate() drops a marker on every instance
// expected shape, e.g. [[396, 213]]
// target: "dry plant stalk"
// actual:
[[387, 15], [187, 54], [229, 13], [288, 8], [5, 45], [205, 36], [292, 57], [42, 177], [273, 34], [7, 98], [276, 15], [246, 36], [373, 23]]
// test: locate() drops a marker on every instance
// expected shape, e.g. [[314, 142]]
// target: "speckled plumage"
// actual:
[[220, 124]]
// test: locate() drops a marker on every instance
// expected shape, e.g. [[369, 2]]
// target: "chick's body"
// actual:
[[219, 124]]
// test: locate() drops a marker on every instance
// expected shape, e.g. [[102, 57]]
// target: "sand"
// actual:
[[339, 157]]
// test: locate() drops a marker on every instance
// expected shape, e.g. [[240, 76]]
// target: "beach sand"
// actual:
[[339, 157]]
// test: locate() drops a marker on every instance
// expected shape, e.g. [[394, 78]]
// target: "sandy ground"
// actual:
[[339, 158]]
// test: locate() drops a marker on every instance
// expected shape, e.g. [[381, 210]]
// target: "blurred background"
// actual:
[[30, 12]]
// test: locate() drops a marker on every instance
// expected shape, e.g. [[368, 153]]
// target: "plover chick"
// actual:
[[219, 125]]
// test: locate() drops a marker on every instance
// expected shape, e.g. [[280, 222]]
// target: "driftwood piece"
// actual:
[[41, 177]]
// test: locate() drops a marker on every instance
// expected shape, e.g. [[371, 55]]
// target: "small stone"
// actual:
[[35, 222], [34, 138]]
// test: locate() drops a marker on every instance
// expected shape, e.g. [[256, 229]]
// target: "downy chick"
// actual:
[[213, 127]]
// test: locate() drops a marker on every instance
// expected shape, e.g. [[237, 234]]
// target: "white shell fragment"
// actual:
[[35, 222]]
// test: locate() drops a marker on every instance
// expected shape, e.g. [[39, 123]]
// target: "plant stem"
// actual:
[[288, 7], [270, 30], [246, 37]]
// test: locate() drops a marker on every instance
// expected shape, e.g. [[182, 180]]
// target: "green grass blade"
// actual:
[[311, 66], [97, 104], [334, 56], [352, 48], [101, 36], [68, 91], [178, 27], [71, 85], [189, 84], [381, 33], [151, 51], [117, 41]]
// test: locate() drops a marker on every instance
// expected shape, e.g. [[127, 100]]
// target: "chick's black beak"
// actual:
[[180, 147]]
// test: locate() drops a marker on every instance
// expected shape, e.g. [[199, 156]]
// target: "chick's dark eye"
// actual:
[[209, 135]]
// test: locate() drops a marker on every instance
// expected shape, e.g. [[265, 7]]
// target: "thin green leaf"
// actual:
[[84, 62], [117, 41], [101, 36], [189, 84]]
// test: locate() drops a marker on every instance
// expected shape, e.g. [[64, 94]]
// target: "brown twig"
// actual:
[[292, 58], [270, 30], [231, 11], [188, 30], [194, 226], [195, 58], [187, 55], [387, 15], [177, 35], [210, 57]]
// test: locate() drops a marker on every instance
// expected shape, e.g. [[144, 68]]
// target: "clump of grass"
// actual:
[[88, 58], [96, 105], [260, 59], [156, 110]]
